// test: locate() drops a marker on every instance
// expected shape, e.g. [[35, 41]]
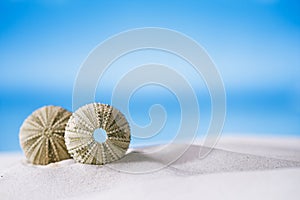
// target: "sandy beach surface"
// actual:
[[238, 168]]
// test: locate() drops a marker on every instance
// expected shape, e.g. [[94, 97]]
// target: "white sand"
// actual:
[[273, 173], [274, 147]]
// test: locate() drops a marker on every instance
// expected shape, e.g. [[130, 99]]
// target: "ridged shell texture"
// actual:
[[42, 135], [80, 140]]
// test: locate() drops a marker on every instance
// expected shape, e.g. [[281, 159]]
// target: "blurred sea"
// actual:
[[267, 113]]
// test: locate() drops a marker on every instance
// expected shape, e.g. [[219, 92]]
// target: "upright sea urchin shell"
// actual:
[[81, 143], [42, 135]]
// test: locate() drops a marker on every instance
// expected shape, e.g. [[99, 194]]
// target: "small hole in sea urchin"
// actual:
[[100, 135]]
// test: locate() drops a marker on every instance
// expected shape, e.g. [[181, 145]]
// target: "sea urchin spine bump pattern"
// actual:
[[81, 143], [42, 135]]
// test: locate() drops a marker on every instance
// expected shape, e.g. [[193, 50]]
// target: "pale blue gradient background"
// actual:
[[255, 45]]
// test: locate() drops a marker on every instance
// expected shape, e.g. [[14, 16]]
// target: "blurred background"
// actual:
[[255, 44]]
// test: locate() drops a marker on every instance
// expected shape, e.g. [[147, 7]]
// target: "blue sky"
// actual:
[[255, 44], [248, 40]]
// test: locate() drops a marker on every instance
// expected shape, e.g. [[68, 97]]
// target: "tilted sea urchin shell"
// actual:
[[80, 140], [42, 135]]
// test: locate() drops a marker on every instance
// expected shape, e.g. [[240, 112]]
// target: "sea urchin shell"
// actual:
[[42, 135], [81, 143]]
